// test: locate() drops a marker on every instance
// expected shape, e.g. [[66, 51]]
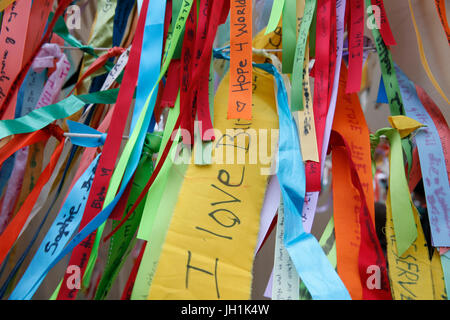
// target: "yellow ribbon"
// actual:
[[404, 125], [4, 4]]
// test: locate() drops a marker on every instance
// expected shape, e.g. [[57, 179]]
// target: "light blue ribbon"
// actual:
[[310, 261], [64, 226], [150, 64], [432, 163]]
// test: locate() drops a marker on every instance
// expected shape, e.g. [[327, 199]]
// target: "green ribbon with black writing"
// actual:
[[402, 212], [299, 58], [122, 242]]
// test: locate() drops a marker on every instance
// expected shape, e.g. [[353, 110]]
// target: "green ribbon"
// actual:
[[159, 213], [289, 35], [299, 58], [156, 191], [122, 242], [388, 71], [407, 149], [42, 117], [402, 212], [176, 7], [328, 243], [123, 160], [55, 293], [275, 15]]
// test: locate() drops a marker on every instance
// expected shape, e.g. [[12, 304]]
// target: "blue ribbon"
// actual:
[[76, 127], [310, 261], [382, 96]]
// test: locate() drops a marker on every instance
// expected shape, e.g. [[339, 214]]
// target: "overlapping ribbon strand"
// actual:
[[311, 198], [275, 15], [19, 78], [40, 118], [88, 164], [349, 121], [328, 243], [115, 51], [297, 74], [440, 124], [311, 263], [201, 95], [129, 159], [370, 253], [432, 162], [417, 274], [321, 88], [108, 158], [159, 205], [289, 35], [98, 220], [135, 153], [100, 35], [122, 241], [13, 39], [216, 12], [404, 225], [32, 96], [84, 173], [10, 234], [51, 90], [187, 65], [127, 291], [5, 3], [69, 216]]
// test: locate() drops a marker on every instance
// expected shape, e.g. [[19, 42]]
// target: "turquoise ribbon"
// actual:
[[42, 117], [150, 64]]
